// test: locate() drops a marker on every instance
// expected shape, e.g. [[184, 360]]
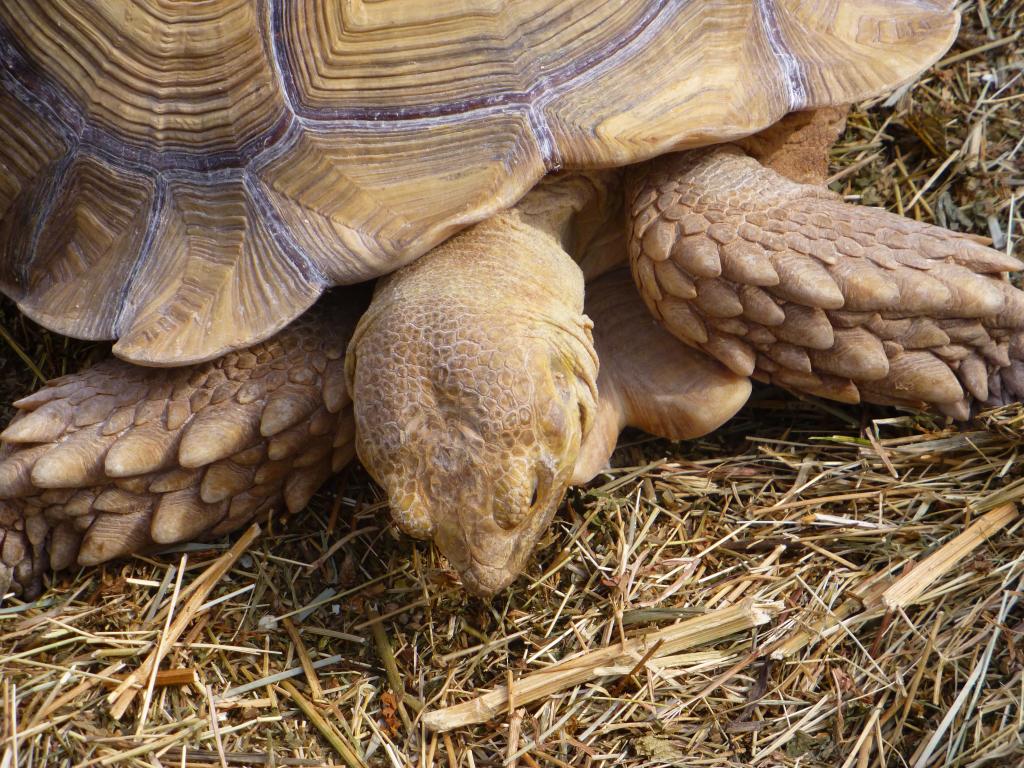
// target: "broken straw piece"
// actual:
[[706, 628], [908, 588]]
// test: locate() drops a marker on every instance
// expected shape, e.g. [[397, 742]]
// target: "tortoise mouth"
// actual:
[[482, 580], [488, 553], [488, 556]]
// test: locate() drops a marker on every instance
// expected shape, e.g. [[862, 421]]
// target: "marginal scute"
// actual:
[[731, 68], [87, 249], [362, 201], [29, 153], [215, 278], [849, 47]]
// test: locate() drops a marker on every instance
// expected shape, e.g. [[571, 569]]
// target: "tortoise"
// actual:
[[187, 180]]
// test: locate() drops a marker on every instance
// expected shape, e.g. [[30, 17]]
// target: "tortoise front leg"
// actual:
[[119, 459], [786, 282], [649, 379]]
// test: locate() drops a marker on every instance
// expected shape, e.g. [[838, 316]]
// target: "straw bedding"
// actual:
[[813, 585]]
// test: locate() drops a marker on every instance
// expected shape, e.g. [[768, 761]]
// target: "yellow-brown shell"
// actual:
[[187, 177]]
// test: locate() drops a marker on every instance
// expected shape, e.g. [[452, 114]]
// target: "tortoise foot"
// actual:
[[120, 459], [648, 378], [23, 554], [786, 282]]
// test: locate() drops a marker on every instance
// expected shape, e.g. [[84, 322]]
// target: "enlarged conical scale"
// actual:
[[785, 282]]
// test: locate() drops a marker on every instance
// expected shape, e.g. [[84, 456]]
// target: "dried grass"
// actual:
[[884, 551]]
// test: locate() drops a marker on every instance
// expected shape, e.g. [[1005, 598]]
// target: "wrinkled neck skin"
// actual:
[[584, 212], [649, 379], [578, 209], [474, 378]]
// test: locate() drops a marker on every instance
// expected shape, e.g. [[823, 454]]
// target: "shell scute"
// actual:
[[189, 177]]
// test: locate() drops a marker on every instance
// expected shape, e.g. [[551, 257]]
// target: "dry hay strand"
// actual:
[[874, 560]]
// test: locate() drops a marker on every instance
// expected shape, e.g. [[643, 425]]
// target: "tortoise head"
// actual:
[[475, 453], [470, 412]]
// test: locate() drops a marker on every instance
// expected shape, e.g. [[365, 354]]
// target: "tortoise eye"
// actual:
[[511, 511]]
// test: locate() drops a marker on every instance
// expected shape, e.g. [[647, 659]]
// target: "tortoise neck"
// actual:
[[570, 206]]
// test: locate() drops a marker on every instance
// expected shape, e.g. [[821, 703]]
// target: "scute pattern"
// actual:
[[361, 134], [786, 282], [704, 72], [843, 46], [29, 154], [30, 147], [92, 236], [213, 254], [407, 59], [161, 75], [117, 459], [336, 187]]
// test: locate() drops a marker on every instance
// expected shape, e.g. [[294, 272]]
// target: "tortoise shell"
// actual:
[[188, 177]]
